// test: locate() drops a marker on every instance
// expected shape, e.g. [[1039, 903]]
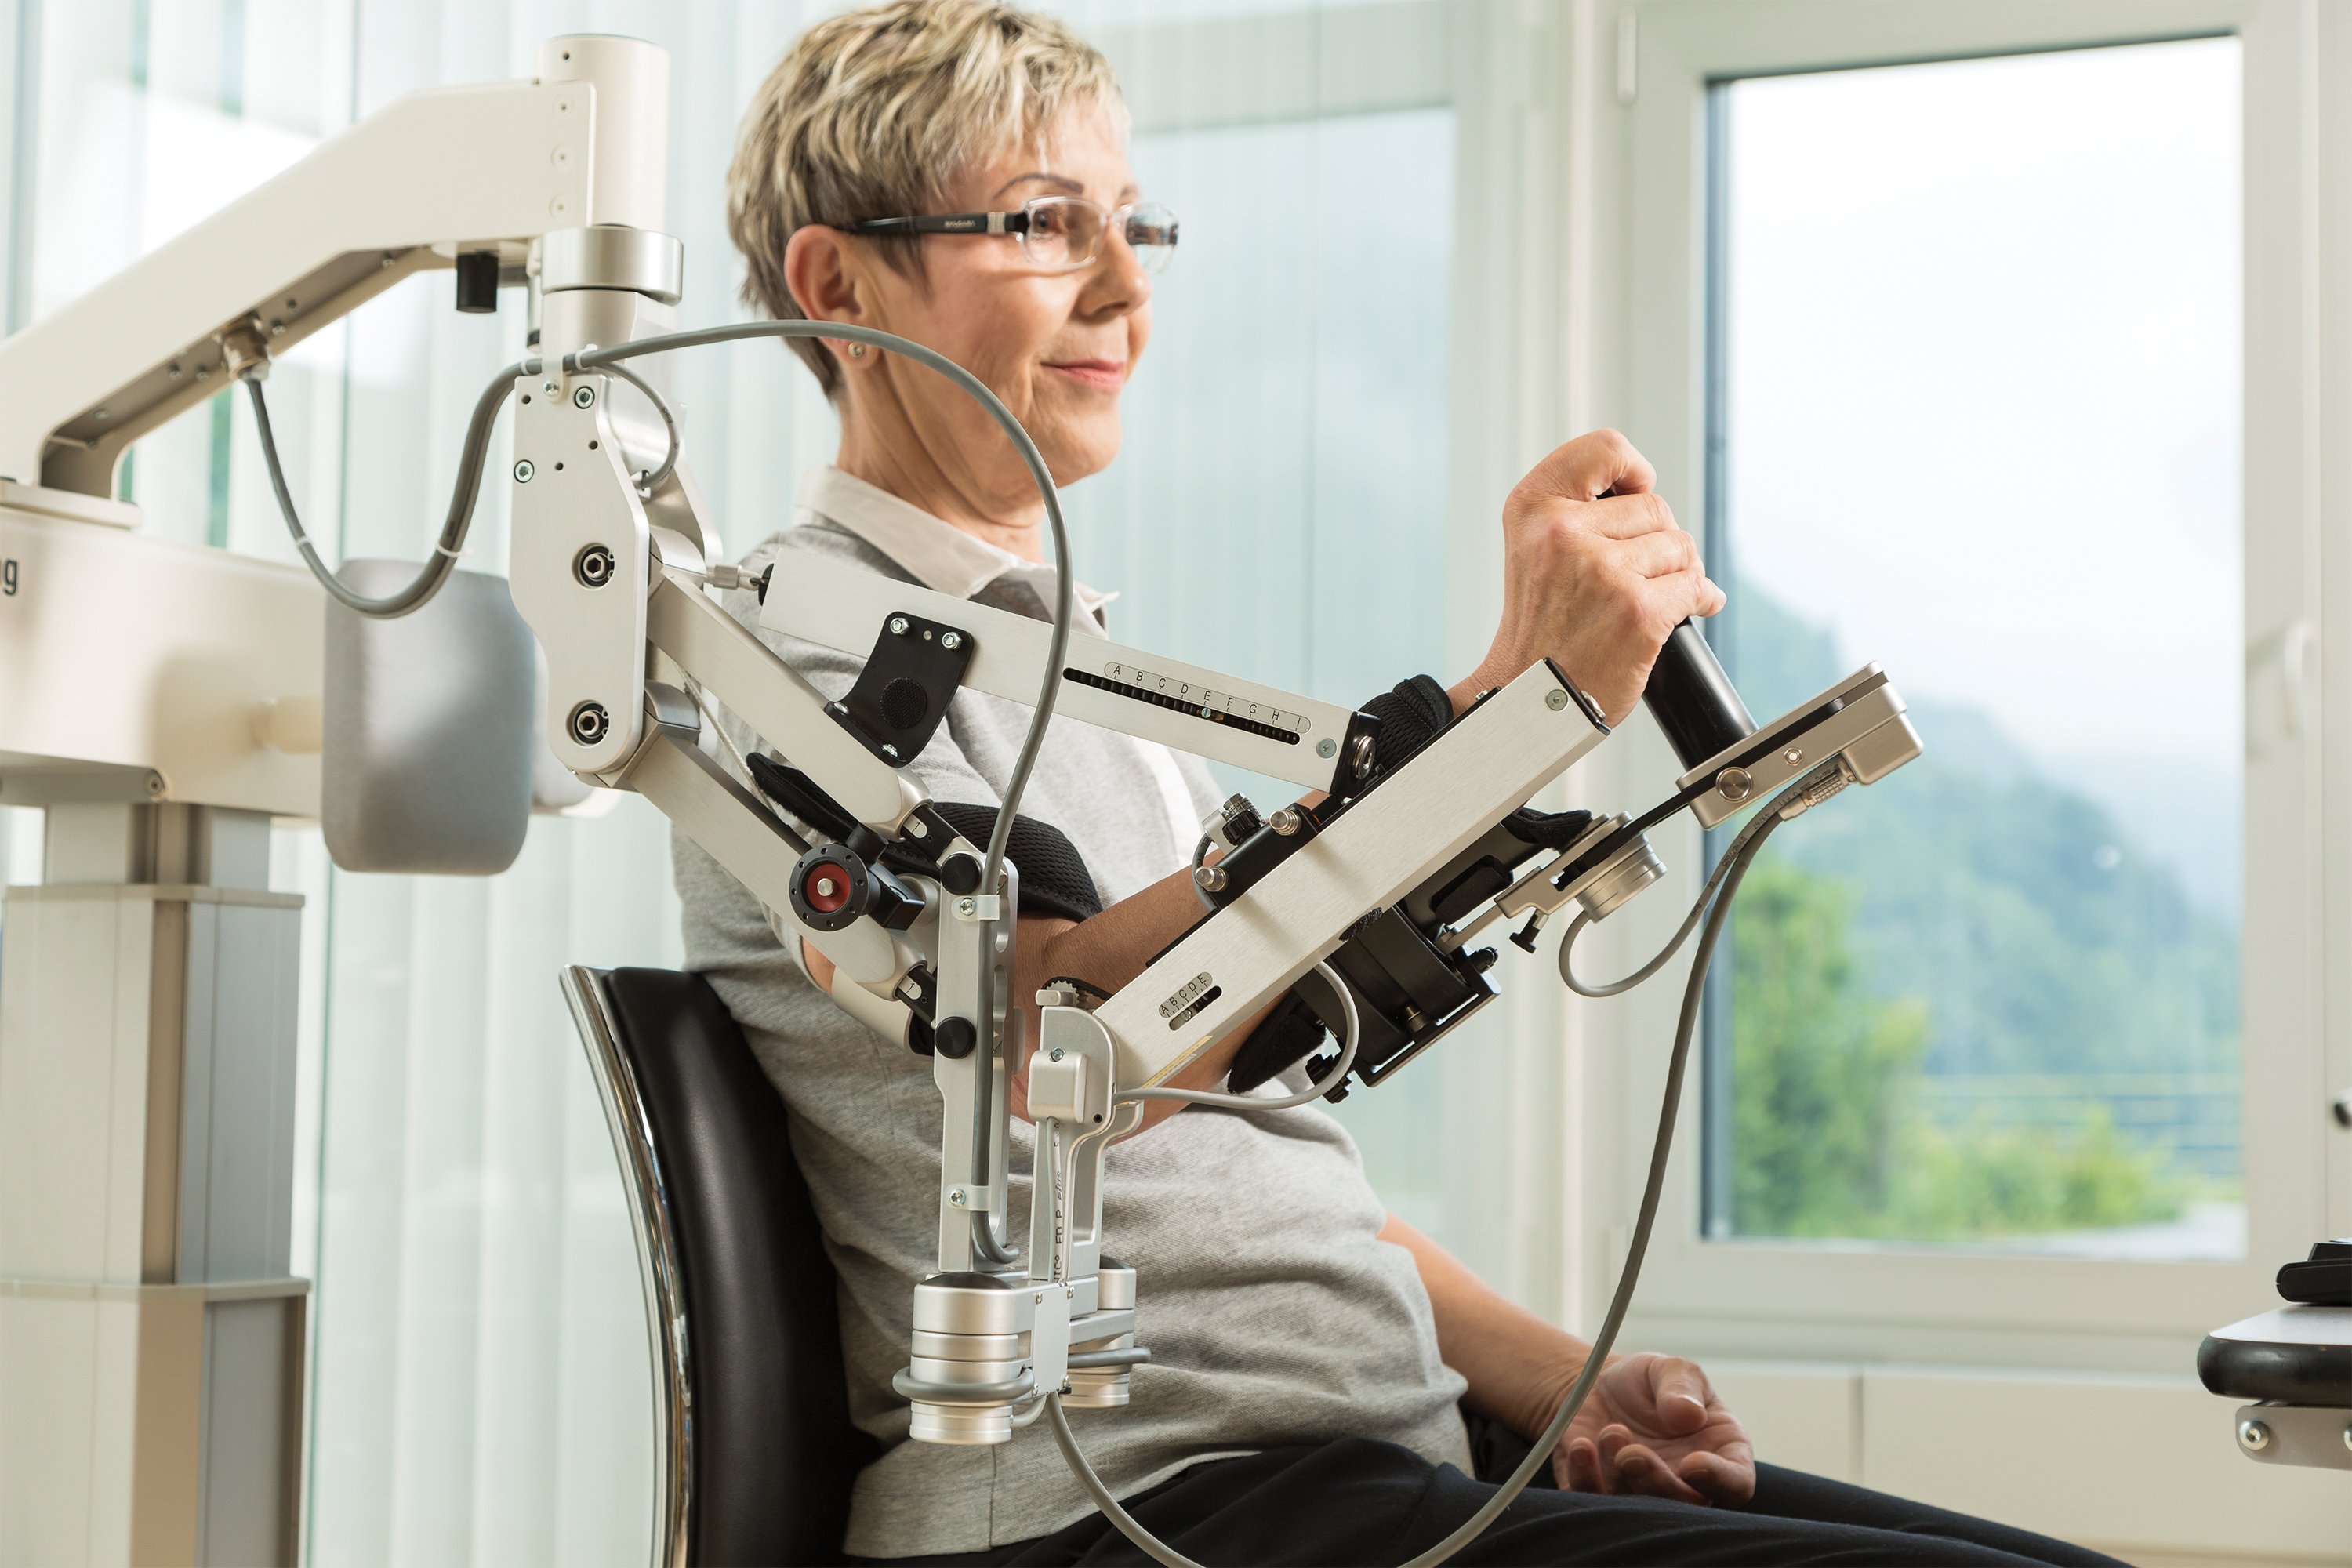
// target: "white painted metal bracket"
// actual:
[[1132, 690]]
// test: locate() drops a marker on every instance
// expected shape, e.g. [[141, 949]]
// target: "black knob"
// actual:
[[960, 874], [954, 1038], [478, 282]]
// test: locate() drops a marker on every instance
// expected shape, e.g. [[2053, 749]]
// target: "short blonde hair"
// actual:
[[875, 113]]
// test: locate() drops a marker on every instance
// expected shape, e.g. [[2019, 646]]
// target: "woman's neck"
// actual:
[[905, 467]]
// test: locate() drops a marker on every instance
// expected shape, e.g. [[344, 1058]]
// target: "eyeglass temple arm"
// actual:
[[946, 223]]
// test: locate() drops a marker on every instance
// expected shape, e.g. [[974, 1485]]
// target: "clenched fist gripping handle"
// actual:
[[1693, 700]]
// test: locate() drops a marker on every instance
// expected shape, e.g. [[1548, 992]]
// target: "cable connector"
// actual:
[[244, 350], [1820, 790]]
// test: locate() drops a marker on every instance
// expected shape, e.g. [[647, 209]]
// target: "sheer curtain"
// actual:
[[478, 1376]]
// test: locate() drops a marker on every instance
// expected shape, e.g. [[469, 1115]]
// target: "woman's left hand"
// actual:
[[1652, 1427]]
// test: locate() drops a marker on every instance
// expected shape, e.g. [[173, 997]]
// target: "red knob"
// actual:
[[826, 888]]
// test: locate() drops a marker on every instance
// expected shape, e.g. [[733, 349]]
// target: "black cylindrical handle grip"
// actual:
[[1693, 700]]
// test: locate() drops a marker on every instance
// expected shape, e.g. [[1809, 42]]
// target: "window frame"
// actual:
[[1768, 1298]]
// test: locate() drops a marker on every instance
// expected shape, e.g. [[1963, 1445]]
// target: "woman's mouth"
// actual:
[[1104, 374]]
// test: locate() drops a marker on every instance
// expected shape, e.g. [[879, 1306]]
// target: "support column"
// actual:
[[150, 1338]]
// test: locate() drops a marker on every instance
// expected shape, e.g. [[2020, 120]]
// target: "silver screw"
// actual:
[[1795, 755], [958, 1197], [1284, 822], [951, 640], [1555, 701], [523, 471], [277, 329], [2253, 1437], [1326, 747], [1210, 879], [105, 414], [897, 625], [1057, 1053], [1733, 784], [549, 387], [967, 908], [583, 397]]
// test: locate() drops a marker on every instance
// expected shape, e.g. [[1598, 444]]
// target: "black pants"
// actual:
[[1356, 1501]]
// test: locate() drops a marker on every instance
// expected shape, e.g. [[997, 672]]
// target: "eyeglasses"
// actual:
[[1058, 233]]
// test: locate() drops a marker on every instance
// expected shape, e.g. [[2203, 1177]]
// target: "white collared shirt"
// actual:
[[946, 560], [939, 555]]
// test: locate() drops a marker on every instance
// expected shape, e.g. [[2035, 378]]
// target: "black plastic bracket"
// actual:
[[902, 694]]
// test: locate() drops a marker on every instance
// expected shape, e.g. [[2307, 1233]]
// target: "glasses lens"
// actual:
[[1062, 231], [1152, 235]]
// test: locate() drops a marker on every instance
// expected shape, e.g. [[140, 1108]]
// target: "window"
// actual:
[[1975, 386]]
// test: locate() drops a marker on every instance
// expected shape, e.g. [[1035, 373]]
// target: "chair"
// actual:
[[754, 1451]]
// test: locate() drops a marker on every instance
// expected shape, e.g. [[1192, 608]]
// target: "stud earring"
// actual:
[[857, 350]]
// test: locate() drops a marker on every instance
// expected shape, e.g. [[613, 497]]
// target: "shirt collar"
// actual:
[[936, 553]]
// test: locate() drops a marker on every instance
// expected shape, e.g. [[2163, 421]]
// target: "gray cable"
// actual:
[[1744, 851], [650, 481], [1354, 1037], [1699, 906], [1148, 1542], [463, 497]]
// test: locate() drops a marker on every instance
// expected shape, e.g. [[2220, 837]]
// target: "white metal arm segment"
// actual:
[[491, 166]]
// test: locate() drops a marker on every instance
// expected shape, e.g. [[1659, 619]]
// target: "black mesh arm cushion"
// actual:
[[775, 1454], [1054, 877]]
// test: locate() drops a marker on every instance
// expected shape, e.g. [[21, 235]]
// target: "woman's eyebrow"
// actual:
[[1064, 181]]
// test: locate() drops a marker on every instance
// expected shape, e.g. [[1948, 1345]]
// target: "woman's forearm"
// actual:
[[1517, 1365]]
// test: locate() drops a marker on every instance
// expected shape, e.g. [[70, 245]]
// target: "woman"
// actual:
[[1312, 1353]]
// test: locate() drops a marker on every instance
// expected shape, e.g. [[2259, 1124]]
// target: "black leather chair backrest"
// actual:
[[775, 1454]]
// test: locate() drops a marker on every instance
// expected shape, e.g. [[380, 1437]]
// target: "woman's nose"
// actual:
[[1118, 281]]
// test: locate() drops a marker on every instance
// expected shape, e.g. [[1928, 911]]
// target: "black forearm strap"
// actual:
[[1412, 713]]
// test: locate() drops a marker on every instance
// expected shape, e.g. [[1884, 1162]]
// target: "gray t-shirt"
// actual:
[[1273, 1315]]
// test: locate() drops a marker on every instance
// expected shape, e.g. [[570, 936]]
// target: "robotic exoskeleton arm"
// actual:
[[1365, 906], [1376, 890]]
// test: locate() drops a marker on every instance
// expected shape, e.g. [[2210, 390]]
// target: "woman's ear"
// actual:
[[826, 276]]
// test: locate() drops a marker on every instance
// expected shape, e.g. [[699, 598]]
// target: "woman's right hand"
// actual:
[[1596, 575]]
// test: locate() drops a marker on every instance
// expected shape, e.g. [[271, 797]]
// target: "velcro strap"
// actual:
[[1412, 713]]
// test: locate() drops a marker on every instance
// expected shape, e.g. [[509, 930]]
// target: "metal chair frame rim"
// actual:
[[654, 1226]]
